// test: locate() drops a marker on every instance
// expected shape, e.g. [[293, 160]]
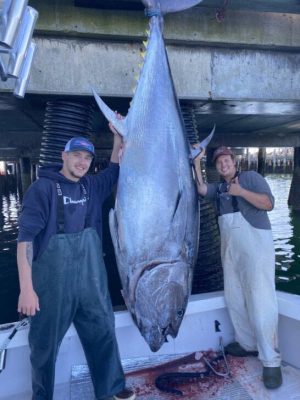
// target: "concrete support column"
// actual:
[[294, 195], [18, 177], [261, 161], [64, 119], [25, 170], [14, 169], [36, 171], [208, 273], [4, 168], [211, 172], [32, 172], [247, 163], [274, 161]]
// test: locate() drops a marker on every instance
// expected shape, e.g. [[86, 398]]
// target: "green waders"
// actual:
[[71, 283]]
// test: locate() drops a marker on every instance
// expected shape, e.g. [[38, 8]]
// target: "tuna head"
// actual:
[[161, 299]]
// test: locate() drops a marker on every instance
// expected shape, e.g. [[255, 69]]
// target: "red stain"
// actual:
[[143, 381]]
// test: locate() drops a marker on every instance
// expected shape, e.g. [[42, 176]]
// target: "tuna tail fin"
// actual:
[[110, 115], [169, 6], [202, 146]]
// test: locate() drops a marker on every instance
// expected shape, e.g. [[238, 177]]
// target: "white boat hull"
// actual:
[[199, 331]]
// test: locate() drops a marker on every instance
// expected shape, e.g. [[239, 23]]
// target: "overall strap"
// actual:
[[218, 201], [87, 223], [222, 189], [234, 200], [60, 221], [60, 209], [234, 203]]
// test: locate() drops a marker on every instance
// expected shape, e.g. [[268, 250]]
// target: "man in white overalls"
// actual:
[[248, 258]]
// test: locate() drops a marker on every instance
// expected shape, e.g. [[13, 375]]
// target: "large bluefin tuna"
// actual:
[[155, 223]]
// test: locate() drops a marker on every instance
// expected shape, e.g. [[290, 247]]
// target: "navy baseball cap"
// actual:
[[78, 144]]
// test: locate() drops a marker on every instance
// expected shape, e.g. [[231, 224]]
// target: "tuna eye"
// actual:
[[180, 313]]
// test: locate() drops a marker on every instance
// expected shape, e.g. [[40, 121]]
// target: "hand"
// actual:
[[200, 155], [111, 126], [28, 302], [235, 189], [118, 142]]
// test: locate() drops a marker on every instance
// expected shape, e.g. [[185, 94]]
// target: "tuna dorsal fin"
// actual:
[[169, 6], [110, 115]]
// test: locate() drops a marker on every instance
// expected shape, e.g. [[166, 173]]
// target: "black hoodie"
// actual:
[[38, 219]]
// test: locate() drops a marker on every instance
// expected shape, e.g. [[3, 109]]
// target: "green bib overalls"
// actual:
[[71, 283]]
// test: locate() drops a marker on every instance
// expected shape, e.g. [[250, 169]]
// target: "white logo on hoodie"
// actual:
[[68, 200]]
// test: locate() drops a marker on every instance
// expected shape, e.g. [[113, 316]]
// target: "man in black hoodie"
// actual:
[[62, 273]]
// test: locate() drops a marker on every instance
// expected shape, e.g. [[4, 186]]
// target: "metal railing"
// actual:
[[17, 22]]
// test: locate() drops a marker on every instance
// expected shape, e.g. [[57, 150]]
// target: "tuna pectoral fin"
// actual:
[[110, 115], [113, 226], [169, 6], [176, 204], [202, 146], [177, 227]]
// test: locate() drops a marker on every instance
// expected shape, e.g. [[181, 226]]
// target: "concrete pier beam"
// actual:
[[251, 55], [243, 73], [195, 26], [198, 72]]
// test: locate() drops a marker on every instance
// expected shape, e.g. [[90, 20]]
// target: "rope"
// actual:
[[24, 322], [152, 12], [164, 381]]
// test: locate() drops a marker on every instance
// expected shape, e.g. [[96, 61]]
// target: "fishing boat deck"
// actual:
[[142, 366], [244, 382]]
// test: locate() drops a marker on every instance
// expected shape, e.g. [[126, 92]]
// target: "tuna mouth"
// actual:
[[164, 332], [168, 330], [160, 300], [154, 347], [159, 337]]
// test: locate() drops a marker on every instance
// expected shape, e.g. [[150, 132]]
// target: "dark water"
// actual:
[[9, 210], [286, 233]]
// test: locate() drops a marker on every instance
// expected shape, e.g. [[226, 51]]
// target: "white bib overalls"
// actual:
[[248, 259]]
